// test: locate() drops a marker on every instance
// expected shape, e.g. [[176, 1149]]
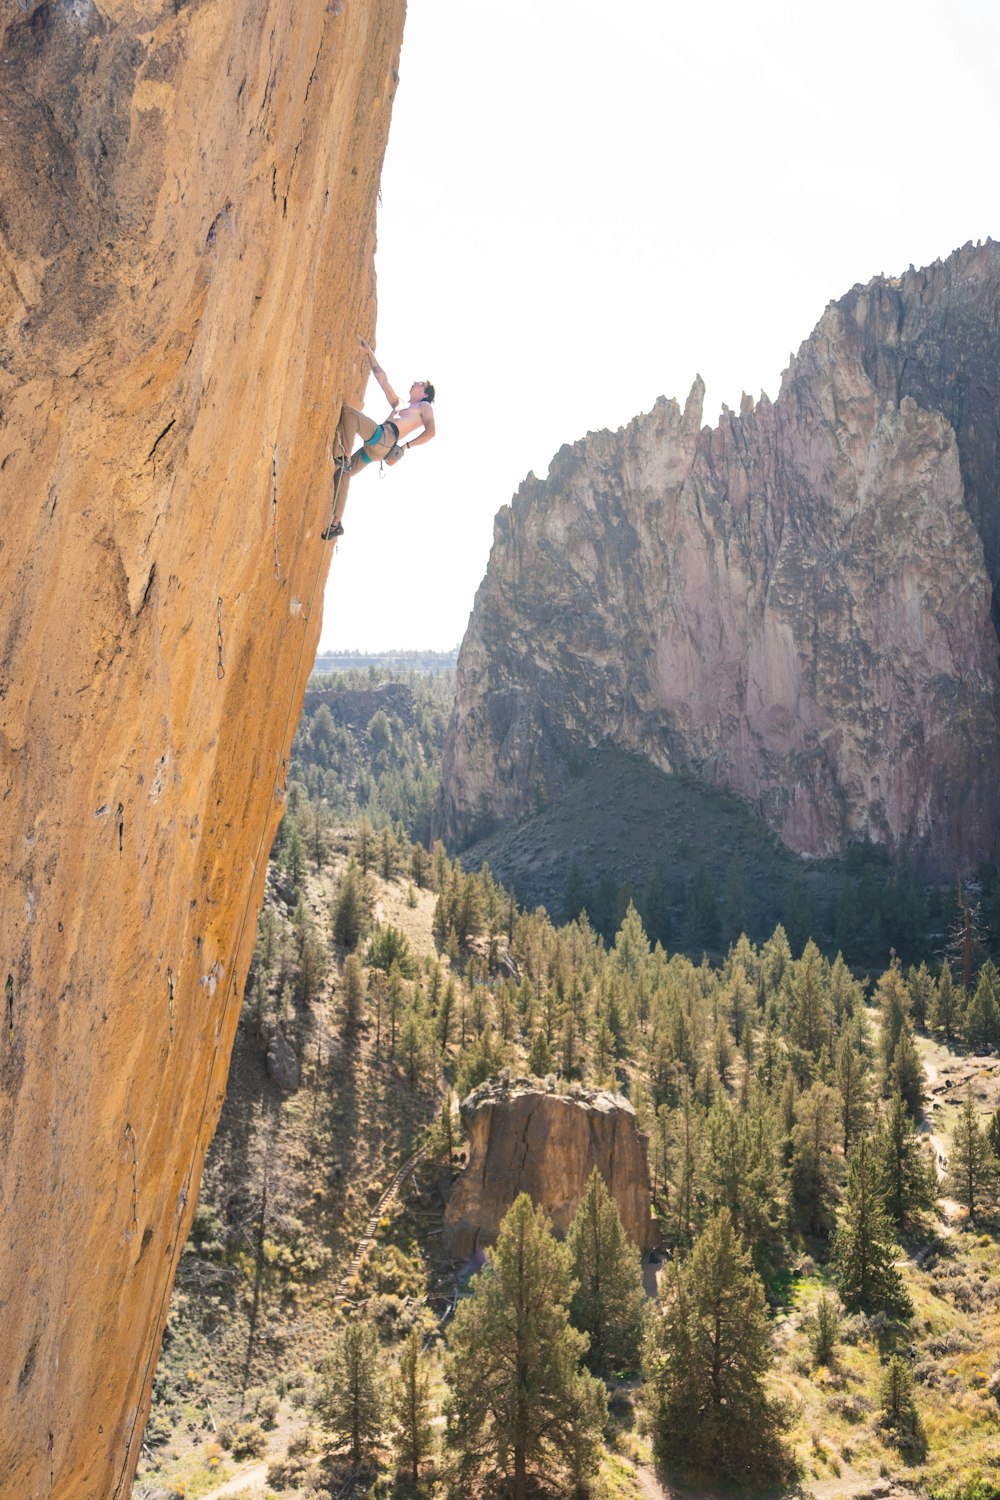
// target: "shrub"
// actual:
[[247, 1440]]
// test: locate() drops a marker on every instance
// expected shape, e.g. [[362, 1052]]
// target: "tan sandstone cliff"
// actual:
[[524, 1139], [795, 605], [187, 216]]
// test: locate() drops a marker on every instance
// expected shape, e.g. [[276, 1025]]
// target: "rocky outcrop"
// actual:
[[795, 605], [187, 223], [525, 1139], [283, 1062]]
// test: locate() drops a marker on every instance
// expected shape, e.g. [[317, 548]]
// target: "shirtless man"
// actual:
[[382, 442]]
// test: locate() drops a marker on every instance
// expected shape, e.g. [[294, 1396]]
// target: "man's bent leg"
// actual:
[[352, 424]]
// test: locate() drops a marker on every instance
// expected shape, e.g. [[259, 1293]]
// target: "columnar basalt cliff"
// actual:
[[795, 604], [524, 1139], [187, 221]]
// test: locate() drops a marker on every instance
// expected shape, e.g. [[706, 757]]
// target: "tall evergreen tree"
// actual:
[[982, 1014], [853, 1082], [411, 1408], [864, 1247], [906, 1075], [609, 1299], [518, 1404], [944, 1010], [908, 1177], [707, 1354], [816, 1164], [972, 1170], [350, 1400], [893, 999]]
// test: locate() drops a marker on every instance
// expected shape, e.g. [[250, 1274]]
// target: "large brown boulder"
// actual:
[[524, 1138], [187, 228]]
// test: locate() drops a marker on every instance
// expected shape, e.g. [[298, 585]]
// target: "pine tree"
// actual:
[[351, 909], [908, 1177], [982, 1014], [411, 1408], [893, 1000], [350, 1401], [609, 1299], [816, 1164], [864, 1248], [540, 1056], [707, 1354], [518, 1403], [823, 1328], [852, 1080], [897, 1409], [353, 993], [972, 1171], [944, 1011], [906, 1075]]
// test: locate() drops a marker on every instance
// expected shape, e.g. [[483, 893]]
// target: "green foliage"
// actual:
[[388, 946], [351, 908], [350, 1398], [540, 1056], [823, 1330], [410, 1407], [518, 1404], [707, 1354], [897, 1409], [609, 1300], [907, 1175], [864, 1246], [973, 1177]]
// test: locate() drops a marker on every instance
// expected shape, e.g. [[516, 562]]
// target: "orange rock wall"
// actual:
[[187, 225]]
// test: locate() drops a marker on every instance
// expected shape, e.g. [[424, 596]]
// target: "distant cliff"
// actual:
[[795, 605], [187, 229]]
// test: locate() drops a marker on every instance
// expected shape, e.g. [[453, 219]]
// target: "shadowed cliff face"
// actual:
[[187, 208], [794, 605]]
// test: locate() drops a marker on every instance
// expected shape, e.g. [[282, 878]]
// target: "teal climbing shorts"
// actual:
[[381, 443]]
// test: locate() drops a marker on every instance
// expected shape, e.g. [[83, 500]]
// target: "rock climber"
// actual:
[[382, 441]]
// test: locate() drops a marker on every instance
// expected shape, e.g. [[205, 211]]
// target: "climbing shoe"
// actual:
[[334, 529]]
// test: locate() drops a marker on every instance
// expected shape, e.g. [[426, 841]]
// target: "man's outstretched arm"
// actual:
[[379, 373]]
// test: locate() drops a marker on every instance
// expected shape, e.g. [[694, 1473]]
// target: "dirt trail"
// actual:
[[249, 1481]]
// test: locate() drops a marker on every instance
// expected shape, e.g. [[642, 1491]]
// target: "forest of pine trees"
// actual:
[[781, 1091]]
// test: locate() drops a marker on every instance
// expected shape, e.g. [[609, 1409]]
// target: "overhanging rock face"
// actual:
[[525, 1139], [187, 224]]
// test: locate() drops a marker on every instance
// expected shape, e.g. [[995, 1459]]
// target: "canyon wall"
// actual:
[[187, 224], [526, 1139], [794, 605]]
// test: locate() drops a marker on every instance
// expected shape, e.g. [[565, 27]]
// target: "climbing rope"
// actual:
[[220, 669], [231, 991], [274, 510]]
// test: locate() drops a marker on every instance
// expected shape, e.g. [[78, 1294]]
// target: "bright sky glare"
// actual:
[[584, 205]]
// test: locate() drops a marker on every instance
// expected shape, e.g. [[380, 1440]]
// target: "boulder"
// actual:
[[525, 1138], [283, 1062]]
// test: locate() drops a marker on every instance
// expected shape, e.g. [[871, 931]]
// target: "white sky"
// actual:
[[584, 204]]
